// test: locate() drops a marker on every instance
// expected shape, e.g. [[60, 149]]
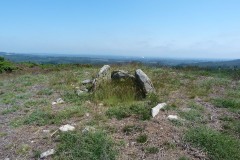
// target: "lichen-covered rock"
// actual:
[[87, 81], [104, 72], [144, 82], [119, 75]]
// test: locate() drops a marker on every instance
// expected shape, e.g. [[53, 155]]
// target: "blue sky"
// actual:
[[160, 28]]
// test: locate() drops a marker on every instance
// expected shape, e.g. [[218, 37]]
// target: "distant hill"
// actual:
[[112, 59], [221, 64]]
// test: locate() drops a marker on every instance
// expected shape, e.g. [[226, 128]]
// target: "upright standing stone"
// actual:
[[104, 72], [144, 82], [103, 75]]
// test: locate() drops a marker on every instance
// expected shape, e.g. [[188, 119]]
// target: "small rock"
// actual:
[[60, 100], [46, 131], [79, 92], [156, 109], [87, 114], [88, 129], [87, 81], [47, 153], [172, 117], [54, 103], [7, 159], [66, 128]]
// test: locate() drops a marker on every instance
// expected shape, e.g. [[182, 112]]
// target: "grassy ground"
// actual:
[[206, 101]]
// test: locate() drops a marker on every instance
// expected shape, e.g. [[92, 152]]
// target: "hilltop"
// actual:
[[114, 121]]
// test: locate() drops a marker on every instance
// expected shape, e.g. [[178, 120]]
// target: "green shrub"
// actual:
[[131, 129], [217, 145], [142, 111], [142, 138], [227, 103], [152, 150], [92, 146], [6, 66]]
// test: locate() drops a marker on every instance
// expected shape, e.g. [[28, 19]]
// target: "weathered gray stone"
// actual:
[[156, 109], [58, 101], [144, 82], [47, 153], [87, 81], [104, 72], [119, 75]]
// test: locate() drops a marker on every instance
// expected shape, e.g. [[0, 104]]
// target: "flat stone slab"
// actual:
[[155, 110], [120, 74]]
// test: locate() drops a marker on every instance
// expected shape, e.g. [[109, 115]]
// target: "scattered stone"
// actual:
[[54, 103], [87, 81], [47, 153], [58, 101], [87, 114], [79, 92], [144, 82], [172, 117], [119, 75], [156, 109], [66, 128], [88, 129], [46, 131], [7, 159]]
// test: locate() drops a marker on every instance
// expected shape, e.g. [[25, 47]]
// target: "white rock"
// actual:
[[54, 103], [7, 159], [60, 100], [87, 114], [46, 131], [172, 117], [155, 110], [66, 128], [47, 153]]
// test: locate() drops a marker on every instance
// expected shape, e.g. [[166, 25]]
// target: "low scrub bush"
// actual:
[[217, 145], [6, 66], [90, 146], [142, 111]]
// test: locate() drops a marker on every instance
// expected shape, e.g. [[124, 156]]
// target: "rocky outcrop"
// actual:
[[144, 82], [120, 75]]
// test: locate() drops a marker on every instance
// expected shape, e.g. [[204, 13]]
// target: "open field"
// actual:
[[207, 102]]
